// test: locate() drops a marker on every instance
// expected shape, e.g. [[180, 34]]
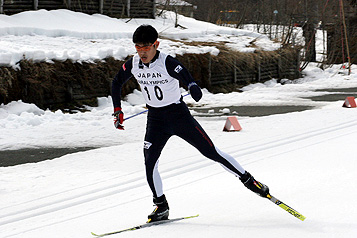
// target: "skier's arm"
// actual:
[[119, 80], [178, 71]]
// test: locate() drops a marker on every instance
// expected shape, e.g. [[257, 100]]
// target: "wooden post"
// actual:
[[235, 70], [67, 3], [345, 29], [154, 9], [280, 74], [128, 8], [1, 6], [259, 72], [209, 69], [35, 4], [309, 32], [101, 4], [298, 69]]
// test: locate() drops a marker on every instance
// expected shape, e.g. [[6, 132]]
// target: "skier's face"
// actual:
[[146, 52]]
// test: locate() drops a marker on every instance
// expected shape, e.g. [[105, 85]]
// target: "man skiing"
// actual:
[[158, 75]]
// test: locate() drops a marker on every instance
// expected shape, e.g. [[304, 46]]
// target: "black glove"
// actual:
[[195, 91], [118, 118]]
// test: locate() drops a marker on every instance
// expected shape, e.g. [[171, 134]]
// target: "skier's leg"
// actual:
[[191, 131], [153, 145], [155, 140], [206, 147]]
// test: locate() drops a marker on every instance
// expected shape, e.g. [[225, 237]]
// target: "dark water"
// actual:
[[253, 111], [23, 156]]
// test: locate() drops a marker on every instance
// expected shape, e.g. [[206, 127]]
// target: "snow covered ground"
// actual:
[[308, 159], [62, 34]]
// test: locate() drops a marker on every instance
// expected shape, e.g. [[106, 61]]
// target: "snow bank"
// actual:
[[63, 34]]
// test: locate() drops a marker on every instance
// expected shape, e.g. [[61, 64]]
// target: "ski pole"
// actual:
[[137, 114]]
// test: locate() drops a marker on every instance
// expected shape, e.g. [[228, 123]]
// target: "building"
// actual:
[[177, 6], [113, 8]]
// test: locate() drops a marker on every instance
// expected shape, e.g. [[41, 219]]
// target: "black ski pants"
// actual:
[[175, 119]]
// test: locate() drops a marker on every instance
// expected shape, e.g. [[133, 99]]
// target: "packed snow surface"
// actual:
[[308, 159]]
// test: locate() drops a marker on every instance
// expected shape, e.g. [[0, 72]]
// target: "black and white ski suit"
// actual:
[[167, 114]]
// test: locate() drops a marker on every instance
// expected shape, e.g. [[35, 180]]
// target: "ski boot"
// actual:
[[248, 180], [161, 212]]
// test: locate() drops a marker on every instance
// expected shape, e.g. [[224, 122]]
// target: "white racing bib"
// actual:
[[157, 86]]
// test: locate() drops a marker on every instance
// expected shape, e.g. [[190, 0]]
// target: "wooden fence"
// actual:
[[243, 68], [50, 84], [113, 8], [264, 68]]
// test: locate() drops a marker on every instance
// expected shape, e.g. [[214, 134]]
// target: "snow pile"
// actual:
[[52, 35], [17, 108]]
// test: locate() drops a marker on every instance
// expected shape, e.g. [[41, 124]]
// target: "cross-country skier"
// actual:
[[158, 75]]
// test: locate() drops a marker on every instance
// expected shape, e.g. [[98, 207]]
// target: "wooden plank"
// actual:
[[88, 6], [142, 8], [115, 8], [51, 4]]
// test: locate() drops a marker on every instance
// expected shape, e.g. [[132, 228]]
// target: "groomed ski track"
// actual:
[[181, 171]]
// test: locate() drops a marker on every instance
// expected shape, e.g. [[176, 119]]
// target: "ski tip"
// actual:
[[93, 234], [286, 207], [301, 217]]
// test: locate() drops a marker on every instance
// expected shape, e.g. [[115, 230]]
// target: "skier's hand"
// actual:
[[195, 91], [118, 118]]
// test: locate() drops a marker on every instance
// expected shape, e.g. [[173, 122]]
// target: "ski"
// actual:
[[286, 207], [143, 226]]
